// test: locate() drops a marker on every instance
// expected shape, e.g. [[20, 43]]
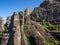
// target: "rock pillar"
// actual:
[[27, 15], [23, 36], [1, 24], [16, 24]]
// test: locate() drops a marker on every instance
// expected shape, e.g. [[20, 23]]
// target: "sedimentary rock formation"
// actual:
[[14, 35], [27, 15], [16, 24]]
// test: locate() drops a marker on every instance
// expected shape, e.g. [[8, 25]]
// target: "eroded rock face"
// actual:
[[23, 36], [8, 21], [27, 16], [5, 38], [16, 25], [5, 35], [1, 24], [49, 12], [50, 1], [37, 34], [15, 34]]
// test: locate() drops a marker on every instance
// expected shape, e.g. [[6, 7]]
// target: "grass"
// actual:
[[49, 42], [25, 31], [1, 33], [51, 26]]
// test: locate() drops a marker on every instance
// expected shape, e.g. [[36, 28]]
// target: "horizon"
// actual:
[[7, 7]]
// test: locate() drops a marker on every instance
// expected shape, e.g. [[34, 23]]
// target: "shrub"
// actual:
[[25, 29], [1, 33]]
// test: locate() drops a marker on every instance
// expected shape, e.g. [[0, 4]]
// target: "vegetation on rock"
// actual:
[[51, 26]]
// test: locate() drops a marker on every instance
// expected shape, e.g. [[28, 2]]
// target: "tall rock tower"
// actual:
[[8, 21], [16, 28], [23, 36], [27, 14]]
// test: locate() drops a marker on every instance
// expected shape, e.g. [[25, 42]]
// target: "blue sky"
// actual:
[[7, 7]]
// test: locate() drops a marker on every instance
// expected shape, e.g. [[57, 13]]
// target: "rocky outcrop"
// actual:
[[1, 24], [8, 21], [16, 29], [14, 33], [5, 38], [37, 34], [48, 11], [27, 16], [23, 36]]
